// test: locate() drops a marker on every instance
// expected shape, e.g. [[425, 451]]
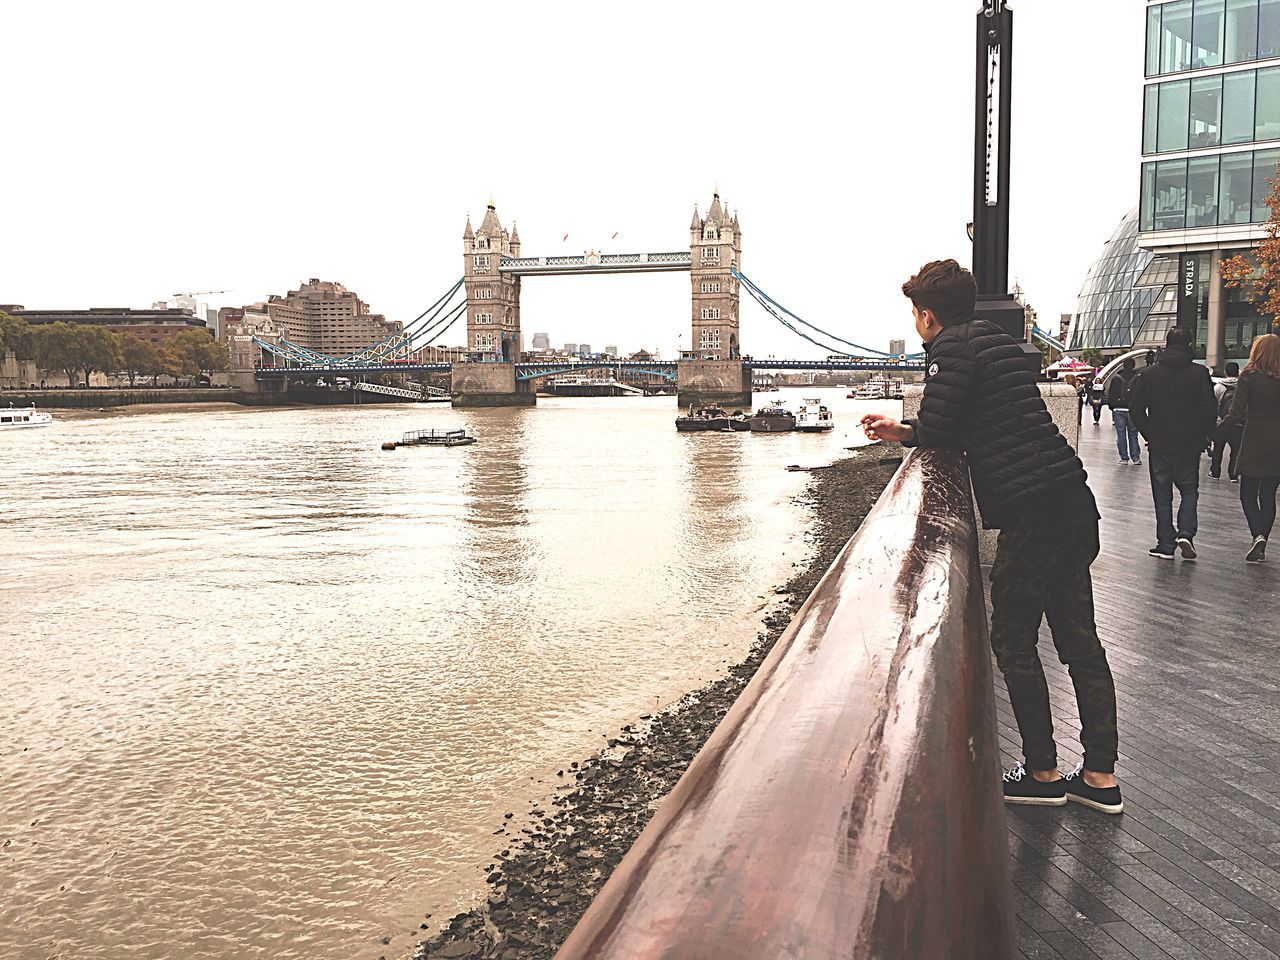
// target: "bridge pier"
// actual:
[[726, 383], [490, 385]]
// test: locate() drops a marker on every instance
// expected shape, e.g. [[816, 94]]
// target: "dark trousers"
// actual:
[[1097, 410], [1041, 572], [1258, 497], [1169, 470], [1229, 439]]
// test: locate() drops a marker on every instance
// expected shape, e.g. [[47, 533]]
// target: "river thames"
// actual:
[[270, 689]]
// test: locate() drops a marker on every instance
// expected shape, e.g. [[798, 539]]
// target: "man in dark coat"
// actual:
[[981, 398], [1173, 407]]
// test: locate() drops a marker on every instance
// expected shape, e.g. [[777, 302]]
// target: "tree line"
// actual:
[[75, 348]]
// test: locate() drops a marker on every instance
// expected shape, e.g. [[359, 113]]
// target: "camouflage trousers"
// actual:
[[1045, 572]]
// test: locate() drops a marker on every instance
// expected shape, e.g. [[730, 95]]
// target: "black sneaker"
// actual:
[[1021, 787], [1187, 547], [1258, 552], [1106, 799], [1161, 553], [1216, 474]]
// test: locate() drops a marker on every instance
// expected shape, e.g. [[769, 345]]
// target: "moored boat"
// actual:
[[16, 417], [814, 417], [740, 421], [431, 438], [773, 419], [703, 418]]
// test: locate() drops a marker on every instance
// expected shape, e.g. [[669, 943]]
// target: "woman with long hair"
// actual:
[[1257, 406]]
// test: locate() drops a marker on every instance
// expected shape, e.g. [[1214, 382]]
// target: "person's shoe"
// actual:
[[1235, 479], [1137, 463], [1106, 799], [1258, 552], [1160, 552], [1021, 787], [1123, 460], [1187, 547], [1216, 474]]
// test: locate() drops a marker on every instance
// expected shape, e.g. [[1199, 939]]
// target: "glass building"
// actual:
[[1111, 308], [1210, 145]]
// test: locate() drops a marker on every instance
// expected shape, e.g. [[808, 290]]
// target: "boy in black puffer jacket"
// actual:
[[980, 397]]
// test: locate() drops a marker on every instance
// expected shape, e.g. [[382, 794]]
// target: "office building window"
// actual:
[[1150, 99], [1206, 112], [1171, 194], [1235, 204], [1174, 106], [1237, 106], [1206, 33], [1264, 171], [1147, 217], [1202, 192], [1268, 29], [1267, 105], [1241, 32], [1175, 37], [1153, 40]]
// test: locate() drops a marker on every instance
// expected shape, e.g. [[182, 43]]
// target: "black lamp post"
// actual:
[[991, 139]]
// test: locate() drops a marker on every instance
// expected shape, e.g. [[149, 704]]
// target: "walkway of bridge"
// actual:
[[1192, 867]]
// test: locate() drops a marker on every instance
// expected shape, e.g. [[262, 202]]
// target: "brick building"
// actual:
[[151, 325], [327, 317]]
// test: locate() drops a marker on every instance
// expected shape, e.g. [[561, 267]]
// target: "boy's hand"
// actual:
[[878, 427]]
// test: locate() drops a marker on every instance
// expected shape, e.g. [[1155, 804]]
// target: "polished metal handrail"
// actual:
[[848, 805]]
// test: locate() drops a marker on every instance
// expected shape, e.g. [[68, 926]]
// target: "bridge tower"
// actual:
[[712, 372], [488, 379]]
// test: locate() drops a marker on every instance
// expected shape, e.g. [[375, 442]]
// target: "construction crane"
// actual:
[[198, 293]]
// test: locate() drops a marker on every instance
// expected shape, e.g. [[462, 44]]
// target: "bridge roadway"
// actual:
[[526, 371], [1191, 869]]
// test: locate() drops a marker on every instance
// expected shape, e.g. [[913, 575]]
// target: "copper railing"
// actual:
[[848, 805]]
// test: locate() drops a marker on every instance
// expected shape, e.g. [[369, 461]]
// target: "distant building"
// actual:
[[151, 325], [584, 349], [571, 348], [541, 341], [611, 350], [1064, 326], [327, 317], [897, 346]]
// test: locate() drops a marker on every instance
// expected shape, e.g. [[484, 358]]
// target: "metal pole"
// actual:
[[992, 128], [1001, 266]]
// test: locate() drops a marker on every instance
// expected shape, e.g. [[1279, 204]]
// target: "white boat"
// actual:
[[13, 418], [814, 417], [885, 388]]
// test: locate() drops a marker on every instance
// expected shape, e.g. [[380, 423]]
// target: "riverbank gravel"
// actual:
[[558, 855]]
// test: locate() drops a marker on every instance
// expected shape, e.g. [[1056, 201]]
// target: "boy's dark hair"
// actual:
[[1177, 337], [944, 287], [1233, 369], [1128, 363]]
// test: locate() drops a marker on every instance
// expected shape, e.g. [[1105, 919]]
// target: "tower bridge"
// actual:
[[490, 372]]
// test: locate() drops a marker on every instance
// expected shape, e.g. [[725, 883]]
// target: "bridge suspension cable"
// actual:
[[785, 317]]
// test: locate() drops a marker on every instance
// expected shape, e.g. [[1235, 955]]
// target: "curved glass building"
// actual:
[[1112, 308]]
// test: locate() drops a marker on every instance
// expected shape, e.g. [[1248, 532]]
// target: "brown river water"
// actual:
[[268, 689]]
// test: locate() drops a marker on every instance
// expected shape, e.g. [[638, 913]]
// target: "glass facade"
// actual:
[[1221, 110], [1111, 307], [1200, 34], [1208, 191]]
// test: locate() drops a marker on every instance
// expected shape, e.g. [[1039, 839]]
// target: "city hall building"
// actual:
[[1210, 144]]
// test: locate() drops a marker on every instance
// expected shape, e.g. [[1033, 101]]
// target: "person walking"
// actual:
[[1071, 381], [1228, 432], [1173, 407], [980, 397], [1257, 406], [1096, 398], [1118, 392]]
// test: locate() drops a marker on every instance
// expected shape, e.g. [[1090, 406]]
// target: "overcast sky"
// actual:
[[159, 147]]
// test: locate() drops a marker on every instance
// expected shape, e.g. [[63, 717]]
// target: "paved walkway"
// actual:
[[1191, 869]]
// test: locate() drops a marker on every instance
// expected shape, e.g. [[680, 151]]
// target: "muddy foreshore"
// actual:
[[558, 854]]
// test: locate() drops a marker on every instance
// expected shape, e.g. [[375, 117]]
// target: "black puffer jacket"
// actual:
[[1172, 403], [980, 397]]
